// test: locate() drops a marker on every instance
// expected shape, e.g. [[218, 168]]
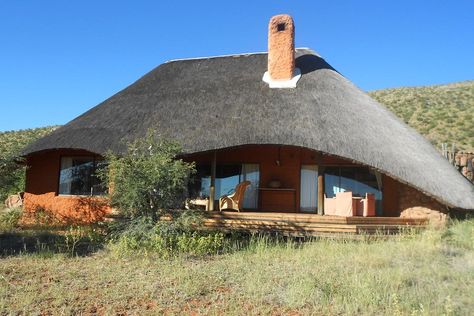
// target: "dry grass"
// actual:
[[427, 274]]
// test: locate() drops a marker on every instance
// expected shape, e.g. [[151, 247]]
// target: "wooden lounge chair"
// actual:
[[235, 200], [366, 206]]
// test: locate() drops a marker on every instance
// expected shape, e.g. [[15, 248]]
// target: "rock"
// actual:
[[14, 200]]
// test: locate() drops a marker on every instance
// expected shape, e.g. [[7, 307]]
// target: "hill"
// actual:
[[442, 113], [12, 142], [12, 175]]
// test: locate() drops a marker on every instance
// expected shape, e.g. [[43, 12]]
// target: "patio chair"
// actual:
[[234, 201], [345, 204], [366, 206], [329, 205]]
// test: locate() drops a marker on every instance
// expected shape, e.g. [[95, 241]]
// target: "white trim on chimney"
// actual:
[[282, 84]]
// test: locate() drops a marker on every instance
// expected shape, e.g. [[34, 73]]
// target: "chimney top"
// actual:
[[281, 53]]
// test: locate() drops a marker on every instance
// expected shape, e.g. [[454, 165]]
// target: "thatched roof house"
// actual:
[[216, 103]]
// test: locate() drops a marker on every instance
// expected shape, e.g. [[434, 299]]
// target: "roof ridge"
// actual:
[[229, 55]]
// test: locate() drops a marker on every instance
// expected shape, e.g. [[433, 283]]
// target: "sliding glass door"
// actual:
[[251, 172], [309, 188], [228, 176]]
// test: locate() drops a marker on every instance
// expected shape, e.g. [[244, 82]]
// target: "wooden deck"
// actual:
[[300, 224]]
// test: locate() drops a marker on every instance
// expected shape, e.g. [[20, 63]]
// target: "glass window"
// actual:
[[200, 182], [251, 172], [227, 178], [357, 180], [78, 176]]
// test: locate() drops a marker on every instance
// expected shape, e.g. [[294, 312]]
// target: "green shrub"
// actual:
[[148, 180], [9, 219], [78, 237], [165, 238]]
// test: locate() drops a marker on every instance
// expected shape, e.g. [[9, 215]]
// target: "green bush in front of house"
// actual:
[[165, 238], [148, 180], [147, 183]]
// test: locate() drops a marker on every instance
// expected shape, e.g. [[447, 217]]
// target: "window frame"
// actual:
[[230, 163], [95, 160]]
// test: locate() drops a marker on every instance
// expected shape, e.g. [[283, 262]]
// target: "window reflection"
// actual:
[[359, 181], [78, 176], [228, 176]]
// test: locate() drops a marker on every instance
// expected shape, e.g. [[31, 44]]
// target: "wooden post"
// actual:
[[320, 190], [212, 189]]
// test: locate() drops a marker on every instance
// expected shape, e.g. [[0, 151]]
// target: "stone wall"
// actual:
[[415, 204], [464, 162]]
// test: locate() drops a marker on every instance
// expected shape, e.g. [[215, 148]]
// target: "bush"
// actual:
[[12, 176], [148, 180], [165, 239], [81, 239], [9, 219]]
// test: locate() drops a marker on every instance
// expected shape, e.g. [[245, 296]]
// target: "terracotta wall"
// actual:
[[390, 203], [43, 176], [65, 209], [402, 200], [415, 204], [42, 181]]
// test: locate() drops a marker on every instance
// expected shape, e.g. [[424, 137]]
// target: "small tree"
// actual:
[[148, 179], [12, 175]]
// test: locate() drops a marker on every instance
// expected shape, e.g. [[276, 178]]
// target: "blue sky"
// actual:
[[60, 58]]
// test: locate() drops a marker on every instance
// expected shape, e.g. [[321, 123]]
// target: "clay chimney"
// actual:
[[281, 47]]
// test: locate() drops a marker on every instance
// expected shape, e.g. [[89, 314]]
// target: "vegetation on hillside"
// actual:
[[442, 113], [12, 174], [431, 273]]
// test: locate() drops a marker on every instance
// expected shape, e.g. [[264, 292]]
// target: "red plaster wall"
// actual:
[[415, 204], [390, 197], [42, 180], [404, 201], [66, 209], [43, 174]]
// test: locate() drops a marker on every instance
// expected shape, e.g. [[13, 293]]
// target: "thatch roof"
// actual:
[[219, 102]]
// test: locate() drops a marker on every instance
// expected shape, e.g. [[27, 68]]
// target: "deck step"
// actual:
[[316, 218], [297, 224]]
